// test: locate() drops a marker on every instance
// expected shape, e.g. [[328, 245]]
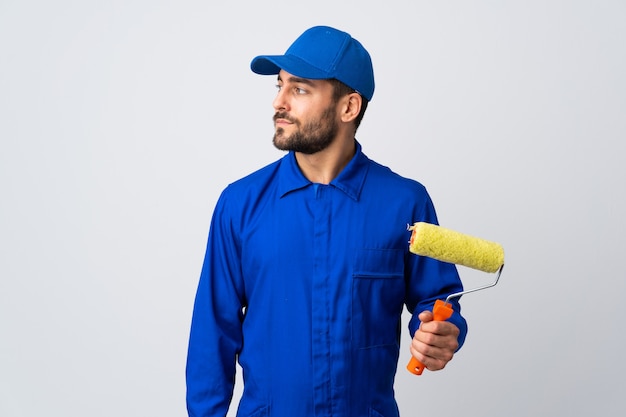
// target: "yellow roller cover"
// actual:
[[450, 246]]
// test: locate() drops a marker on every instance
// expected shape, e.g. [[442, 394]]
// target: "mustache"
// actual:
[[282, 115]]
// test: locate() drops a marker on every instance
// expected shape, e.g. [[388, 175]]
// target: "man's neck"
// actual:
[[324, 166]]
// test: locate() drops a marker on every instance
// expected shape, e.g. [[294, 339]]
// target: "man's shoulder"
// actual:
[[258, 177], [383, 174]]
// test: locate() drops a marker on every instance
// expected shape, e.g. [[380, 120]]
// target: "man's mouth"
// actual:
[[282, 119]]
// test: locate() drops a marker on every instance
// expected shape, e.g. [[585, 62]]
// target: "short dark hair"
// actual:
[[339, 90]]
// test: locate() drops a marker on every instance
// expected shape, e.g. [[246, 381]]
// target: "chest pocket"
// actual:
[[377, 297], [379, 263]]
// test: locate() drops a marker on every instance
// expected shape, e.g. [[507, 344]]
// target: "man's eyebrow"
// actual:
[[299, 80]]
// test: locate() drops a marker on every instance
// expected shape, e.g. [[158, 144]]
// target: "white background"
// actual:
[[121, 122]]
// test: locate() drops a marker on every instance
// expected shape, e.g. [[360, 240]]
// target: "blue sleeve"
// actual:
[[429, 280], [216, 335]]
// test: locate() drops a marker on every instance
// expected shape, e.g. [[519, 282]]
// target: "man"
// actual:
[[307, 266]]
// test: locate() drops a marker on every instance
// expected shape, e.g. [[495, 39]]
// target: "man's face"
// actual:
[[306, 114]]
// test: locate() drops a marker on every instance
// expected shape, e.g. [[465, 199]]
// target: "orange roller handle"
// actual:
[[441, 311]]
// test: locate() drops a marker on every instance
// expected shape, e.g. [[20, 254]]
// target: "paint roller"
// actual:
[[450, 246]]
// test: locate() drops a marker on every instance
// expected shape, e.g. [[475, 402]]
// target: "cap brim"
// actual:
[[272, 64]]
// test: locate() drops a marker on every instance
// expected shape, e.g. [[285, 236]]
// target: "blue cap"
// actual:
[[320, 53]]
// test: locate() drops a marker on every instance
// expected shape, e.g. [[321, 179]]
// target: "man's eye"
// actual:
[[299, 90], [278, 87]]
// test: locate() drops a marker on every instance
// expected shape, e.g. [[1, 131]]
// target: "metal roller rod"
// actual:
[[458, 294]]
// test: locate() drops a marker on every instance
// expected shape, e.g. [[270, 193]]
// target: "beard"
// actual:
[[309, 138]]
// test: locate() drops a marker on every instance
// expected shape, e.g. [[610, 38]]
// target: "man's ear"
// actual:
[[351, 107]]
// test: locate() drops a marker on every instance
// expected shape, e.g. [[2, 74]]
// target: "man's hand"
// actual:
[[435, 342]]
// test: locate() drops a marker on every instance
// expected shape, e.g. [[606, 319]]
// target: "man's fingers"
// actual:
[[434, 343], [438, 361], [425, 316], [433, 357], [441, 328]]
